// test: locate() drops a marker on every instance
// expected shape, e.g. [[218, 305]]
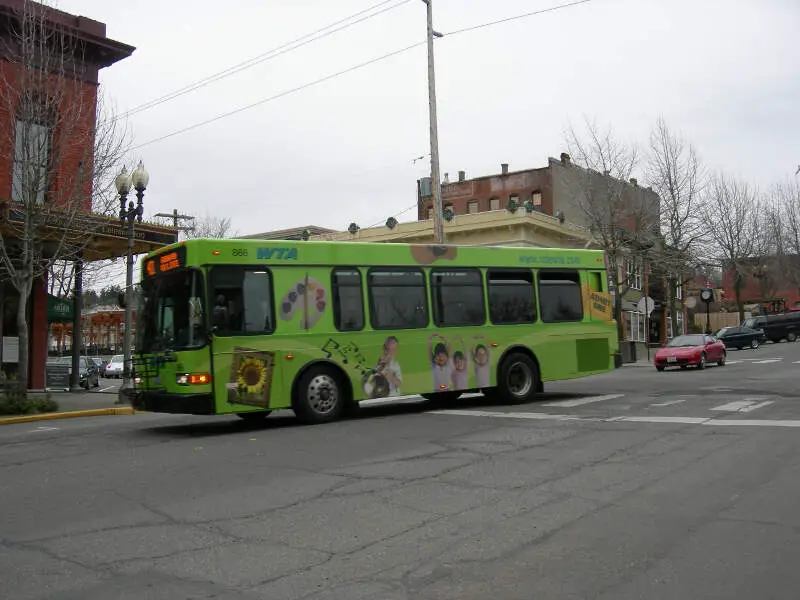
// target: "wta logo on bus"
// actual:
[[276, 253]]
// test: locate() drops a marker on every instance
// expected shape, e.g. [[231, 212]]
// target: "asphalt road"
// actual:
[[635, 484]]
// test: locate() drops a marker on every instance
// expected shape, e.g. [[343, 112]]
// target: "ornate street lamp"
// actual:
[[128, 215]]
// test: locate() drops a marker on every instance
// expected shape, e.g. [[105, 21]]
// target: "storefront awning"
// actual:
[[97, 237]]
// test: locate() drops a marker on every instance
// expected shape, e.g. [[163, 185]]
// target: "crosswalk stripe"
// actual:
[[669, 403], [582, 401], [749, 404]]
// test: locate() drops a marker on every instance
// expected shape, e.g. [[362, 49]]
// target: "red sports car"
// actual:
[[695, 349]]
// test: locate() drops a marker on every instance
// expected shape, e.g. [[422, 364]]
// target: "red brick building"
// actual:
[[490, 192], [68, 133], [771, 282]]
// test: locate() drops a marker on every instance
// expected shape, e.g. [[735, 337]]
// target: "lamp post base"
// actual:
[[125, 393]]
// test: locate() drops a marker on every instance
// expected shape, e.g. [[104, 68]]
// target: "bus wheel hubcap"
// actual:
[[519, 379], [323, 394]]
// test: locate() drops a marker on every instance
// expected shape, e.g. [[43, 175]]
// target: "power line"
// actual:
[[279, 95], [349, 70], [268, 55], [517, 17]]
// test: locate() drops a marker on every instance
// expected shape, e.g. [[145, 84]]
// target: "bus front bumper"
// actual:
[[184, 404]]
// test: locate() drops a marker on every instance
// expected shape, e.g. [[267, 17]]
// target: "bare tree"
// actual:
[[768, 248], [619, 214], [63, 145], [61, 276], [786, 197], [676, 174], [211, 227], [731, 217]]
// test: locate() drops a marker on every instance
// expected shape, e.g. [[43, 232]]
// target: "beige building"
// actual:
[[489, 228]]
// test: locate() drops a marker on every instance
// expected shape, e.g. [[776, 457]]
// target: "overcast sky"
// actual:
[[724, 72]]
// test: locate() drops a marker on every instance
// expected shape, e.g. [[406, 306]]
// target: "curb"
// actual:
[[95, 412]]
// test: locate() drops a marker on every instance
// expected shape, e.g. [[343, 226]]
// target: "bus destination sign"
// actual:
[[164, 263]]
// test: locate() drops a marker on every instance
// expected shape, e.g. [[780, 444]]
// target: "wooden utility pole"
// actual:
[[436, 180], [177, 217]]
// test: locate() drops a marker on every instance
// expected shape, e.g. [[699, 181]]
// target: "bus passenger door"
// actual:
[[598, 299]]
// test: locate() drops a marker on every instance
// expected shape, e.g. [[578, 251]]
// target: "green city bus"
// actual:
[[247, 327]]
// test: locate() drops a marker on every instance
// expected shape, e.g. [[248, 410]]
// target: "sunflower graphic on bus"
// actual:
[[251, 377]]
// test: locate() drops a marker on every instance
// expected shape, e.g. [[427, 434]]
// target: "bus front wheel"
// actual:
[[518, 379], [320, 396]]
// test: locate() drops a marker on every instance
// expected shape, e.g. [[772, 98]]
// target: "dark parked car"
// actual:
[[89, 373], [740, 337], [777, 327]]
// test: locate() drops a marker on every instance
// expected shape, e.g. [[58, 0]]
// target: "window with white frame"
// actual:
[[472, 207], [536, 198], [31, 159], [430, 213], [494, 204], [635, 325], [633, 273]]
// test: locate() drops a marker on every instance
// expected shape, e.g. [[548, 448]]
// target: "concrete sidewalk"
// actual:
[[69, 401], [72, 405]]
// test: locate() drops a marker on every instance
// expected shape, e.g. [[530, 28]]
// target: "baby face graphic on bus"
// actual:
[[480, 360], [386, 378], [449, 368]]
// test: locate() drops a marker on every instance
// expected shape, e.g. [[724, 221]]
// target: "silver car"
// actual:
[[115, 366]]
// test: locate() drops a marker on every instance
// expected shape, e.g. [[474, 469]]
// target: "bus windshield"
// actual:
[[171, 314]]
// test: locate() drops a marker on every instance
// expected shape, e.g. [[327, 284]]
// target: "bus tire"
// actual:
[[518, 379], [320, 396], [254, 417]]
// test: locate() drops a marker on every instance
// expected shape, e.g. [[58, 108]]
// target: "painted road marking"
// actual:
[[749, 404], [38, 429], [709, 422], [767, 361], [104, 389], [670, 403], [582, 401], [733, 362], [511, 415]]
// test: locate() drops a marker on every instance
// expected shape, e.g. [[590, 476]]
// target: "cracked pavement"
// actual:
[[400, 504]]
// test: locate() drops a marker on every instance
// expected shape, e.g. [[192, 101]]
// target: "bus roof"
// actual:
[[279, 252]]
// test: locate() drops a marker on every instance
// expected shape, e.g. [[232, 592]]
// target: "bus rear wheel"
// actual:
[[320, 396], [518, 379]]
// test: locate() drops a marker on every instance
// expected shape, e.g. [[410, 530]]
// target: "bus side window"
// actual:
[[348, 300], [511, 296], [457, 296], [560, 296], [398, 298], [242, 299]]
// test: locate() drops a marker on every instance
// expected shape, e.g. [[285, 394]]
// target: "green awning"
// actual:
[[59, 309]]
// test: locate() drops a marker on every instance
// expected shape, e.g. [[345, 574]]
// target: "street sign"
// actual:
[[646, 304], [57, 377]]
